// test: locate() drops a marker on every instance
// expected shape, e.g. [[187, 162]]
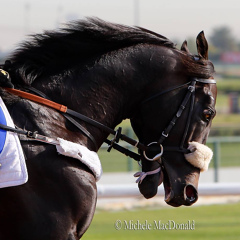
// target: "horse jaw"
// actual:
[[149, 187]]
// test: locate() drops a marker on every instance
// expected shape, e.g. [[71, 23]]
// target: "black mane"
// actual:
[[78, 43]]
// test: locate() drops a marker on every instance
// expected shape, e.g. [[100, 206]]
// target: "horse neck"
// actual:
[[108, 92], [105, 103]]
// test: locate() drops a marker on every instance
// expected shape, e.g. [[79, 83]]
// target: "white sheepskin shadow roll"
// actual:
[[200, 155]]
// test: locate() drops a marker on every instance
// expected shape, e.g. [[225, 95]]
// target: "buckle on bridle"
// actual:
[[115, 139], [165, 135], [31, 134], [191, 88]]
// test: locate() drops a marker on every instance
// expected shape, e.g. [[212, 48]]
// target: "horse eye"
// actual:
[[207, 114]]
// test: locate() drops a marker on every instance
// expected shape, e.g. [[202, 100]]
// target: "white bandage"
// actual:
[[200, 155]]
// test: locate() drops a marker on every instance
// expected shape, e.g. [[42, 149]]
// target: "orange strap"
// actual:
[[37, 99]]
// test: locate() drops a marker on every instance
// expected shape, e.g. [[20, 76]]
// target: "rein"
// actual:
[[68, 114]]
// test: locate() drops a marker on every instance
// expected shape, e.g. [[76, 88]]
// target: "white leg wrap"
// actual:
[[200, 155]]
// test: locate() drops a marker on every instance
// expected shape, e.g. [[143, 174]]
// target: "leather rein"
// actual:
[[41, 98]]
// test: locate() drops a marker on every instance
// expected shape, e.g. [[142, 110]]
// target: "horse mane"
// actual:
[[78, 43]]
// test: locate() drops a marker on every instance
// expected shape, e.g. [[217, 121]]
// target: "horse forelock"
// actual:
[[199, 67]]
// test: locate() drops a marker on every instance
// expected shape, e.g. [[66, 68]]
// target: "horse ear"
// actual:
[[202, 46], [185, 48]]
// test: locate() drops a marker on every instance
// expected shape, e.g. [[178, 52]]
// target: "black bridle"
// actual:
[[69, 114], [190, 95]]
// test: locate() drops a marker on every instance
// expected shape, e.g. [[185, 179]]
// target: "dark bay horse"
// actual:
[[107, 72]]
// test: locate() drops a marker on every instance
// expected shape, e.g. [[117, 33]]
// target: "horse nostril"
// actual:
[[190, 194]]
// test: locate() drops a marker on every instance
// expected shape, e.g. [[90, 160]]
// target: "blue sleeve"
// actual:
[[2, 132]]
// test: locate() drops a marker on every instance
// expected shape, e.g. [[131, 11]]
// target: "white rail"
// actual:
[[131, 190]]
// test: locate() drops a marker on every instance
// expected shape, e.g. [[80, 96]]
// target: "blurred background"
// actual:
[[177, 20]]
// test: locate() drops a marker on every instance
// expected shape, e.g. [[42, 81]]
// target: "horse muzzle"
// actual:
[[187, 196], [185, 192], [181, 184]]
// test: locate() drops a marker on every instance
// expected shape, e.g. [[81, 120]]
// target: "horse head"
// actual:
[[108, 72], [174, 123]]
